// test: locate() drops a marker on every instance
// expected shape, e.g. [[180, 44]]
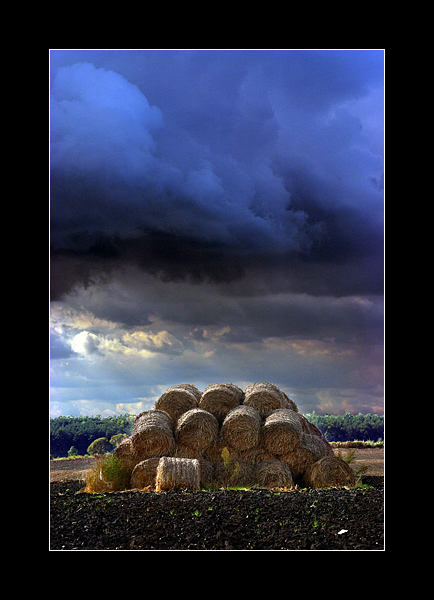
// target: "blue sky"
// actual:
[[216, 216]]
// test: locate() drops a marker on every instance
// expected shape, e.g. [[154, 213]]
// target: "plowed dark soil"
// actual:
[[305, 519]]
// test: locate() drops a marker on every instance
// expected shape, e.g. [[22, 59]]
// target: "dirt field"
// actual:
[[304, 519], [69, 470], [373, 458]]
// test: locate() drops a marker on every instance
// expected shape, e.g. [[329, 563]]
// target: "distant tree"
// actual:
[[81, 431], [99, 446], [340, 428], [115, 440], [72, 451]]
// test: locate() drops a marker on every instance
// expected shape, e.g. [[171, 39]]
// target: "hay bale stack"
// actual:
[[197, 429], [273, 473], [144, 473], [220, 398], [266, 397], [282, 431], [177, 400], [152, 435], [329, 471], [263, 441], [241, 428], [177, 473]]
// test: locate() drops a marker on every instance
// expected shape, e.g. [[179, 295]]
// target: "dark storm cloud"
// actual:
[[210, 166]]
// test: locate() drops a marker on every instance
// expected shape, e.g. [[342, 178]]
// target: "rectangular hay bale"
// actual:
[[177, 473]]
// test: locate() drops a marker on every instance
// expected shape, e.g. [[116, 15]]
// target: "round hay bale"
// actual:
[[241, 428], [236, 473], [309, 427], [311, 449], [152, 435], [177, 473], [197, 428], [289, 403], [319, 446], [282, 431], [190, 388], [273, 473], [329, 471], [304, 423], [220, 398], [265, 397], [144, 473], [126, 454], [177, 400]]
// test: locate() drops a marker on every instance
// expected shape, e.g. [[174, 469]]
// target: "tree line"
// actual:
[[80, 432], [74, 435], [348, 427]]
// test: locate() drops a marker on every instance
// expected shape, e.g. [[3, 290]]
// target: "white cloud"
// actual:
[[134, 408], [163, 341], [64, 316]]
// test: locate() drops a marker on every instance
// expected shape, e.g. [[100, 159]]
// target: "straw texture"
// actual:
[[177, 473], [220, 398], [152, 435], [329, 471], [197, 429], [273, 473], [125, 453], [144, 473], [177, 400], [266, 397], [236, 473], [242, 427], [311, 449], [282, 431]]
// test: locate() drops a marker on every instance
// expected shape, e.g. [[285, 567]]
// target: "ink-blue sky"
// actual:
[[216, 216]]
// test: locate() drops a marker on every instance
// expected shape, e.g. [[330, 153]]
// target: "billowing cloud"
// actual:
[[113, 195], [214, 216]]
